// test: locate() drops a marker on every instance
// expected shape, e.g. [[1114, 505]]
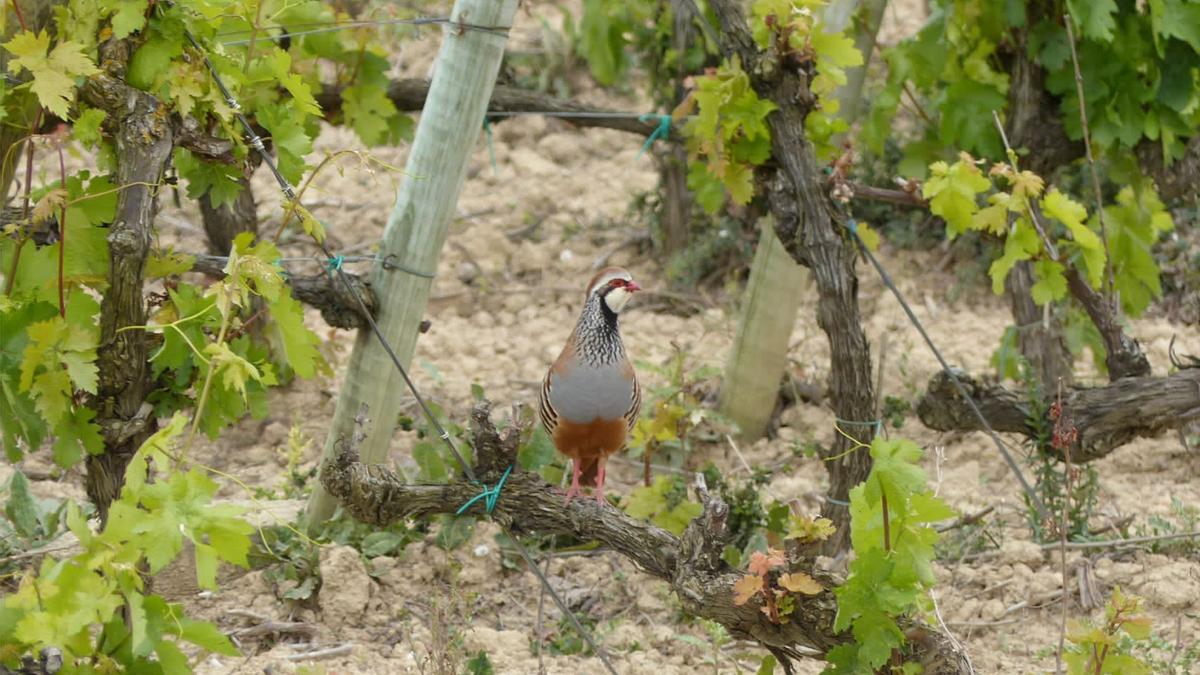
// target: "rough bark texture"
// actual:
[[144, 141], [1124, 357], [676, 214], [223, 223], [1034, 120], [691, 563], [1040, 341], [409, 95], [812, 232], [1107, 417]]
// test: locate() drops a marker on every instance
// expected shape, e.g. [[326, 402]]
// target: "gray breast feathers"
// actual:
[[582, 393]]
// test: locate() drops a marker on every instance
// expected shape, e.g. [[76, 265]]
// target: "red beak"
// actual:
[[632, 286]]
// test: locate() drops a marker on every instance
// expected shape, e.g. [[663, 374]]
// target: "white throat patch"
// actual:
[[616, 299]]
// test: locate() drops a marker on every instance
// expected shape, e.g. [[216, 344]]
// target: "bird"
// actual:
[[590, 397]]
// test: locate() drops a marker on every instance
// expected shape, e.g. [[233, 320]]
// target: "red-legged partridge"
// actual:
[[590, 397]]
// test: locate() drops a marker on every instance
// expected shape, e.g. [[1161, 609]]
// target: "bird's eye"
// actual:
[[616, 283]]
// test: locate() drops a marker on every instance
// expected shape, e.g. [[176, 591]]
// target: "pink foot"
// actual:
[[574, 489]]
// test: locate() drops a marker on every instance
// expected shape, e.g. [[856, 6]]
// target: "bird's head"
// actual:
[[614, 286]]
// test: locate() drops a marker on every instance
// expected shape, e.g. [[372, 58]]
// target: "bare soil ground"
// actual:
[[398, 615]]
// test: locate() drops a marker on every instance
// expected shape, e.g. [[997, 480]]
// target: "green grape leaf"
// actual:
[[206, 566], [1051, 284], [291, 141], [1094, 18], [1021, 244], [967, 122], [76, 435], [86, 128], [220, 181], [18, 414], [538, 451], [1072, 214], [602, 41], [705, 187], [298, 342], [281, 67], [951, 191], [21, 508], [367, 110], [161, 264], [1175, 88], [54, 70], [1048, 45], [152, 61], [430, 463], [1180, 19], [654, 503], [206, 635], [739, 180], [129, 16], [171, 657]]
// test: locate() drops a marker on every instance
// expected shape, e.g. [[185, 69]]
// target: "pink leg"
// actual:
[[600, 480], [574, 489]]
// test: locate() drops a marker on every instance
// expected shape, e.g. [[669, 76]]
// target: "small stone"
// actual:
[[1014, 551], [467, 272], [345, 586]]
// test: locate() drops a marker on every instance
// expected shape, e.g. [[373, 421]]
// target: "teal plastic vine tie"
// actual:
[[335, 263], [489, 495], [487, 129], [661, 131]]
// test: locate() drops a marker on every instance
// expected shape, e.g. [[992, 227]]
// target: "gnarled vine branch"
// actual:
[[691, 564], [1107, 417]]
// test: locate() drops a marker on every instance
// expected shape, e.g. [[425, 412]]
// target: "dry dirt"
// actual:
[[502, 330]]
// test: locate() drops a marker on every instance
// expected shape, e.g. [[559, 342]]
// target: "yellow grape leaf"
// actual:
[[49, 204], [1026, 184], [799, 582], [994, 218], [745, 588], [870, 238], [54, 70], [808, 529], [312, 226]]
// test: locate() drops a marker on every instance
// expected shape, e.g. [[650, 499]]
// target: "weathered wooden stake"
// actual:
[[450, 125], [759, 355]]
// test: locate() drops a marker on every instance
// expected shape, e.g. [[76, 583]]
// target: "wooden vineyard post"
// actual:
[[759, 356], [450, 125]]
